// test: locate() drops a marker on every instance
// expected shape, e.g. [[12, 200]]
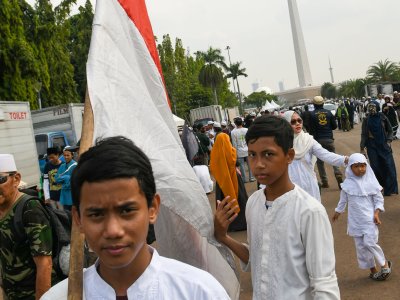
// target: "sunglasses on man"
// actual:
[[4, 178]]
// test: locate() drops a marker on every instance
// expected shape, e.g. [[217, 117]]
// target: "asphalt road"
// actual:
[[354, 283]]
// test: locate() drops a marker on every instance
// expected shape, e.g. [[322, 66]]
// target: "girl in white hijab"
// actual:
[[301, 170], [362, 192]]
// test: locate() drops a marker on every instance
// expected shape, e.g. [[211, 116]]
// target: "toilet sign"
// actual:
[[19, 115]]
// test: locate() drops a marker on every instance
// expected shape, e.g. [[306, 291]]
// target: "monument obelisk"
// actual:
[[303, 68]]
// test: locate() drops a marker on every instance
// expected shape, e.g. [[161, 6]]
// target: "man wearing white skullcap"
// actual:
[[26, 263]]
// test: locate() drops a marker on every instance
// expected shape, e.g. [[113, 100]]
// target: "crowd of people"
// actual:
[[115, 205]]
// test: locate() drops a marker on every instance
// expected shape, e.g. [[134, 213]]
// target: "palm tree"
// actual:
[[211, 74], [234, 71], [353, 88], [384, 71]]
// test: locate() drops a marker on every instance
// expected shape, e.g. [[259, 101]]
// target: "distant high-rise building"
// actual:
[[281, 86], [303, 68], [331, 71], [255, 86]]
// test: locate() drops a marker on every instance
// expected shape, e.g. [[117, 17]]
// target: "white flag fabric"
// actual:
[[128, 98]]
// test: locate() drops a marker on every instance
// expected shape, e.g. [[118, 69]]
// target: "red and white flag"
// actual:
[[128, 98]]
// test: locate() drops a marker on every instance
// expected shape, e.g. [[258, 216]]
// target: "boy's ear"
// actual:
[[154, 209], [290, 155]]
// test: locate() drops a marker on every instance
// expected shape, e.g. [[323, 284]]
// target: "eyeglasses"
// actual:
[[295, 121], [4, 178]]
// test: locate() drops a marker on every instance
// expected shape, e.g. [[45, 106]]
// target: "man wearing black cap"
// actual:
[[322, 125]]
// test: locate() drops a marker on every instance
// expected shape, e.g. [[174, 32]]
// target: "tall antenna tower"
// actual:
[[331, 70]]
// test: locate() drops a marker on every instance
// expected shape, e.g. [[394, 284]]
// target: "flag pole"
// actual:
[[75, 278]]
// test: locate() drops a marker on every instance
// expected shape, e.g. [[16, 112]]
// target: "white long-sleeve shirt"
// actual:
[[361, 212], [291, 248], [301, 171], [238, 136], [164, 278]]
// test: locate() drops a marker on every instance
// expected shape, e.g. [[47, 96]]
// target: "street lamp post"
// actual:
[[233, 82], [38, 87], [230, 65]]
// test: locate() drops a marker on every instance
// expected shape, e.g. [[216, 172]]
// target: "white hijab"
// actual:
[[360, 186], [302, 142]]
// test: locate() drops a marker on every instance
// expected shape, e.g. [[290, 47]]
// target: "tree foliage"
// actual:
[[258, 99], [182, 78], [384, 71], [211, 74], [34, 55], [352, 88], [328, 90], [81, 32]]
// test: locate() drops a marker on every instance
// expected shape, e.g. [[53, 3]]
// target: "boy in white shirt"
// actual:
[[290, 245], [115, 200]]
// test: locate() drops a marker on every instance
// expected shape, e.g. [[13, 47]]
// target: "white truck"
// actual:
[[49, 124], [231, 113], [17, 138], [214, 112]]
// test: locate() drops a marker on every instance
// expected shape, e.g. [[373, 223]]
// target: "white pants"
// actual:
[[368, 251]]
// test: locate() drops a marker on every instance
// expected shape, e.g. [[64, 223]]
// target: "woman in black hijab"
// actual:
[[376, 136]]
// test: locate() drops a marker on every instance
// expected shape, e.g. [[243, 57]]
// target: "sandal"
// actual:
[[376, 276], [383, 274]]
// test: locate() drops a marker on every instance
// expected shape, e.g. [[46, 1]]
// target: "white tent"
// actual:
[[274, 104], [268, 106], [178, 121]]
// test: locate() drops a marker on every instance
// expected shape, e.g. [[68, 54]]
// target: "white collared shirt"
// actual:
[[291, 248], [164, 278]]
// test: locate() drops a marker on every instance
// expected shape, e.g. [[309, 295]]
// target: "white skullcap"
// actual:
[[210, 122], [223, 123], [7, 163], [217, 125]]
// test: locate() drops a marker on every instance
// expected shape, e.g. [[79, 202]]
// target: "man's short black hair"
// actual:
[[113, 158], [53, 150], [238, 121], [275, 126]]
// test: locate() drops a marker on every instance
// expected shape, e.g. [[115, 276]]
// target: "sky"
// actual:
[[354, 34]]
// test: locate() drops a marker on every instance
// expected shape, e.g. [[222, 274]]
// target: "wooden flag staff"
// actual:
[[75, 278]]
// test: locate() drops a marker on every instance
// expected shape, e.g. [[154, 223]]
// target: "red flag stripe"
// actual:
[[137, 12]]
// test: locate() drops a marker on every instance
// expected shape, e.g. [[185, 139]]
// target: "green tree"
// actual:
[[166, 53], [18, 63], [352, 88], [258, 99], [211, 74], [199, 96], [384, 71], [182, 82], [234, 71], [53, 31], [81, 32], [328, 90]]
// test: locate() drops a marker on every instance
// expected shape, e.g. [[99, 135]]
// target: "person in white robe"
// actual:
[[164, 279], [300, 252], [113, 207], [290, 250], [307, 150], [203, 174], [361, 191]]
